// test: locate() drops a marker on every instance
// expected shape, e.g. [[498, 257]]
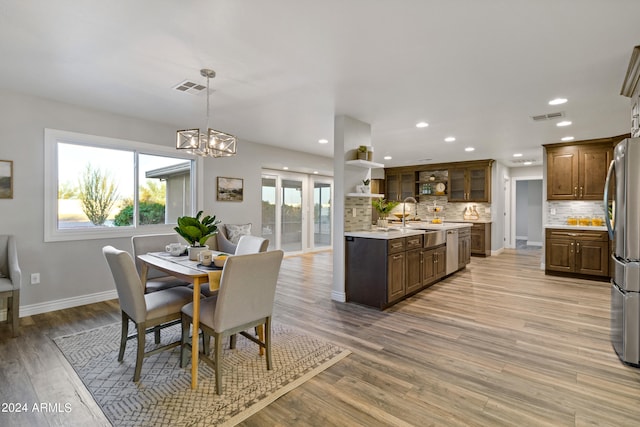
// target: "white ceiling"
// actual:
[[476, 70]]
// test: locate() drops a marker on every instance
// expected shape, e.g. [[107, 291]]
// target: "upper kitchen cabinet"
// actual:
[[578, 171], [470, 181], [400, 184]]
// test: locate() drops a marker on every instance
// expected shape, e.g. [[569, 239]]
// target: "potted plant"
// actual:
[[383, 207], [197, 231], [362, 152], [364, 187]]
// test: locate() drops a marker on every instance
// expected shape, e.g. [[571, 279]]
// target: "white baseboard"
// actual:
[[542, 266], [530, 243], [497, 252], [45, 307], [338, 296]]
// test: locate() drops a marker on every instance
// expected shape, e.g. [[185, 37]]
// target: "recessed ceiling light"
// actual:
[[557, 101], [469, 149], [568, 138], [449, 139], [387, 157], [563, 123], [323, 141], [315, 172], [422, 124], [527, 163], [517, 155], [286, 168]]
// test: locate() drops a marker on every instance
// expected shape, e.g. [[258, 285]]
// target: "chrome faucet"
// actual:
[[404, 205]]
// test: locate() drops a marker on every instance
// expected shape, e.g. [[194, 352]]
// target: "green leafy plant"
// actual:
[[366, 181], [384, 206], [362, 148], [197, 231], [150, 213]]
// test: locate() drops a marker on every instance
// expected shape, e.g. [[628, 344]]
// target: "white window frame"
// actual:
[[54, 136]]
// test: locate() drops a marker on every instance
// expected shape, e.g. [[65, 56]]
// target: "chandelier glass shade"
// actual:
[[209, 142]]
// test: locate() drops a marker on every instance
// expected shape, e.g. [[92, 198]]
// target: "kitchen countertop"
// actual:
[[470, 221], [413, 229], [577, 227]]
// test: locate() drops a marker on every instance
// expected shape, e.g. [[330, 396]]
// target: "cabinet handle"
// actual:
[[400, 256], [578, 247], [581, 192], [571, 251], [575, 191], [396, 245]]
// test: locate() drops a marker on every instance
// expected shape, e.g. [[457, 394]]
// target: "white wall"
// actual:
[[534, 225], [75, 273]]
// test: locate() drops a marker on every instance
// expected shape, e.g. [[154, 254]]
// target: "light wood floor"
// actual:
[[497, 344]]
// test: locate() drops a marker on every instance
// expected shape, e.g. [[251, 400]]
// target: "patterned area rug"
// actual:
[[163, 396]]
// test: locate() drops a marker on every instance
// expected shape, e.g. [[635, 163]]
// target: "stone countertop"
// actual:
[[577, 227], [414, 229]]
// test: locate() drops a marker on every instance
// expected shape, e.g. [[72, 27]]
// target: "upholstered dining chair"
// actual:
[[10, 280], [244, 300], [160, 308], [156, 280], [251, 245]]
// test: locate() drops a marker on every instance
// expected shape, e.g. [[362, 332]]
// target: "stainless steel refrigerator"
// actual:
[[624, 229]]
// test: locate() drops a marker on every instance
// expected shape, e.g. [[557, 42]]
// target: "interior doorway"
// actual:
[[297, 211], [527, 231]]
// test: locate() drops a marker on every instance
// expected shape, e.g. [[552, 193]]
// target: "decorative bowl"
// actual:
[[220, 260], [399, 215]]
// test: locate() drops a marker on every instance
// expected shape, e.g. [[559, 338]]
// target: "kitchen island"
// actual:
[[386, 266]]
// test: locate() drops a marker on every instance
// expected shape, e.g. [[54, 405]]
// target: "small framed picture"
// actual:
[[6, 179], [230, 189]]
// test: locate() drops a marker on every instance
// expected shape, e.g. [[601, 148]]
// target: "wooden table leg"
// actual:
[[260, 329], [143, 276], [196, 333]]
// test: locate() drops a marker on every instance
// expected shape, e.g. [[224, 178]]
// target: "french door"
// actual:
[[296, 211]]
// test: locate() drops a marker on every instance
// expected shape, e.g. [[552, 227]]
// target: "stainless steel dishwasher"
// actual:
[[452, 251]]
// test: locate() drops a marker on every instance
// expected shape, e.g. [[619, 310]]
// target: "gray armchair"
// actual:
[[228, 236], [10, 279], [245, 300], [151, 311]]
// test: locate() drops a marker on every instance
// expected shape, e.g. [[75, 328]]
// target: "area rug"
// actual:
[[163, 396]]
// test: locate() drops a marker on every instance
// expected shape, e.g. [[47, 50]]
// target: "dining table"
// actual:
[[190, 271]]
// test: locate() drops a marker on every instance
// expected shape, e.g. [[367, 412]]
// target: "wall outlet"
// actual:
[[35, 278], [553, 211]]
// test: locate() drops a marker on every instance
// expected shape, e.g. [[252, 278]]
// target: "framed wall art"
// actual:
[[6, 179], [230, 189]]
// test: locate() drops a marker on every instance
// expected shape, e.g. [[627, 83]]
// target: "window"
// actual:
[[106, 187]]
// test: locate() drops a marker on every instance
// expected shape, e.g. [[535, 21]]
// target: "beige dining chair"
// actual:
[[156, 280], [10, 280], [245, 300], [146, 311], [251, 245]]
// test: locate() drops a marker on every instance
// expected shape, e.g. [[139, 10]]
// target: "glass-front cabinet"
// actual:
[[400, 185]]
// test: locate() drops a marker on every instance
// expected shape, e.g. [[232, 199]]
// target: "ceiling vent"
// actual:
[[550, 116], [188, 86], [522, 161]]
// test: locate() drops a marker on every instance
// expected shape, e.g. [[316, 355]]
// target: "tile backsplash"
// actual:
[[557, 212], [450, 211]]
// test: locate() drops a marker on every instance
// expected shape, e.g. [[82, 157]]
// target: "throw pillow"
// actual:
[[235, 231]]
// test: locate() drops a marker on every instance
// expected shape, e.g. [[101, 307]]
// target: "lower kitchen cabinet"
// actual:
[[579, 252], [434, 265], [381, 272], [481, 239], [464, 247]]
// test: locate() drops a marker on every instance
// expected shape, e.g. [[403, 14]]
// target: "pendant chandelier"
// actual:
[[209, 142]]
